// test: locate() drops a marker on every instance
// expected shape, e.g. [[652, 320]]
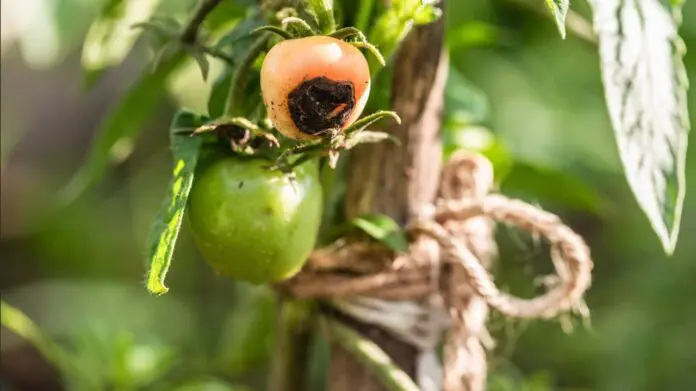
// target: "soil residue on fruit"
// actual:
[[321, 104]]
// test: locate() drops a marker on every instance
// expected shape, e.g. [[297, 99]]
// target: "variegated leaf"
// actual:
[[645, 88]]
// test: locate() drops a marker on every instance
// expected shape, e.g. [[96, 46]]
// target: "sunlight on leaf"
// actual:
[[383, 229], [645, 86], [165, 229], [559, 9]]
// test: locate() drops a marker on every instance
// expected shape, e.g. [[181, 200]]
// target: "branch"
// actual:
[[370, 354], [239, 79], [190, 34]]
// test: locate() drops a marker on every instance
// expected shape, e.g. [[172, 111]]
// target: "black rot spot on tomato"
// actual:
[[320, 103]]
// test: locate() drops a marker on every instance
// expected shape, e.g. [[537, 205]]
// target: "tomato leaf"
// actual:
[[219, 92], [559, 9], [202, 61], [111, 37], [383, 229], [121, 127], [645, 86], [242, 30], [394, 24], [426, 14], [165, 229]]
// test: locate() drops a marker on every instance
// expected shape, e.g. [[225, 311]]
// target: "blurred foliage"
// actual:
[[529, 100]]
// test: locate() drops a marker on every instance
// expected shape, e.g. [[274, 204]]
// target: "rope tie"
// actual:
[[443, 282]]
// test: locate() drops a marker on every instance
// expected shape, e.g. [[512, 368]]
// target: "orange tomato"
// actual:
[[312, 86]]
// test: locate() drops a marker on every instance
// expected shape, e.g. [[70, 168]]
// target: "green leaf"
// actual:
[[646, 94], [165, 229], [370, 355], [111, 37], [391, 27], [202, 61], [242, 31], [559, 9], [426, 14], [383, 229], [122, 126], [218, 93]]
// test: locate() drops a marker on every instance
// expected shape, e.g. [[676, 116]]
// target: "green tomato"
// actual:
[[254, 224]]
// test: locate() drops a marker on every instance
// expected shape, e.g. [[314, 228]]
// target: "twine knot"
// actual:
[[443, 282]]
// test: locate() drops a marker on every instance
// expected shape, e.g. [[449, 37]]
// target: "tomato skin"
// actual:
[[293, 61], [253, 224]]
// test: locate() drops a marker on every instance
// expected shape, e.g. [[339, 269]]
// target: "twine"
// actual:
[[442, 283]]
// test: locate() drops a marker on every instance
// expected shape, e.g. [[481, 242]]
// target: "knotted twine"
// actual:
[[442, 283]]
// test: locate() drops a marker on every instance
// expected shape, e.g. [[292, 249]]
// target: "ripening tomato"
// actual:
[[313, 85], [254, 224]]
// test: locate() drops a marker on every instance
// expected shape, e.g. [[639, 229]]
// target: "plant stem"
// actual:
[[364, 12], [241, 75], [293, 339], [217, 53], [190, 34], [324, 12], [370, 355]]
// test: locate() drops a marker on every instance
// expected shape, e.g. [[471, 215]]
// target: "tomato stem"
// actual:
[[275, 30], [190, 34], [293, 336], [241, 75], [301, 27], [324, 11], [348, 32], [364, 12]]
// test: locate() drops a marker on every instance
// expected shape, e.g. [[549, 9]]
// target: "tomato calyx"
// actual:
[[289, 26], [337, 141]]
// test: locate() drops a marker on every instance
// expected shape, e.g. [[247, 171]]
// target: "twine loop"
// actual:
[[443, 282]]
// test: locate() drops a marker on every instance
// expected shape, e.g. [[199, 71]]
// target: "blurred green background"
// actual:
[[532, 101]]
